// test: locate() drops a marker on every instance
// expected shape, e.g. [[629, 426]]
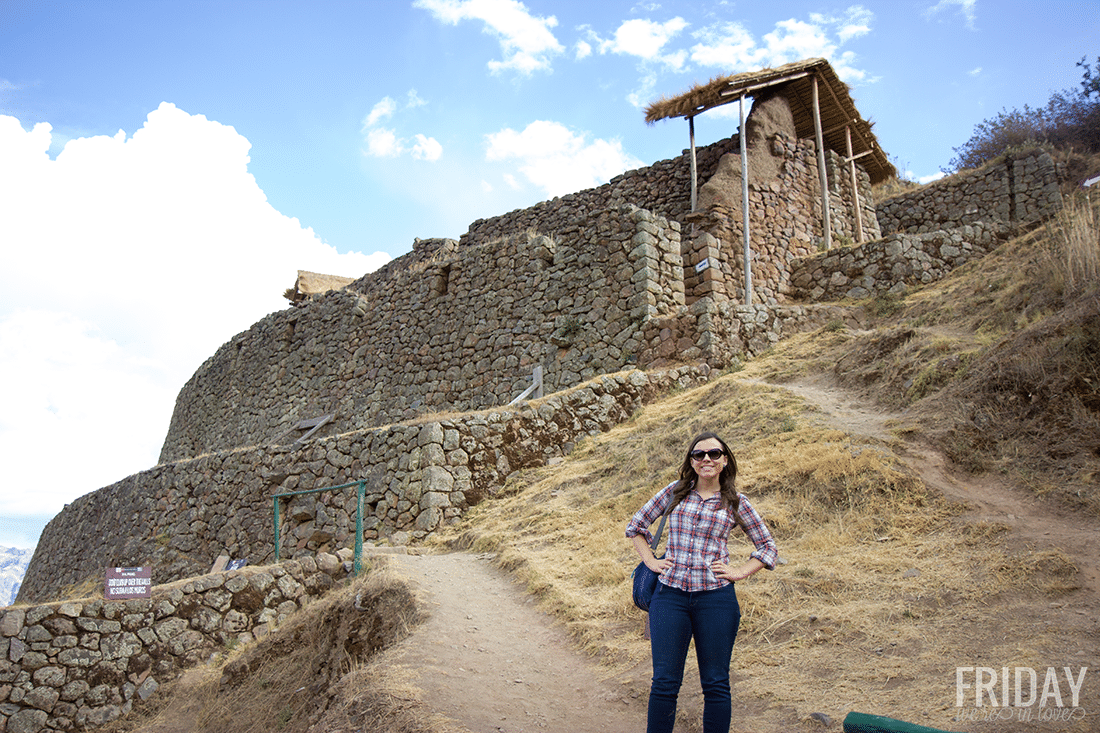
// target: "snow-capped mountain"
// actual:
[[13, 564]]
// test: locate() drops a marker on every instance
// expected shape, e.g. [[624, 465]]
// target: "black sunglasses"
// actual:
[[713, 454]]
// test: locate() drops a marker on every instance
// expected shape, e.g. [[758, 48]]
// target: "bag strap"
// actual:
[[660, 529]]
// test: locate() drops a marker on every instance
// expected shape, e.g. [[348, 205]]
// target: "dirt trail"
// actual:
[[1032, 522], [491, 661]]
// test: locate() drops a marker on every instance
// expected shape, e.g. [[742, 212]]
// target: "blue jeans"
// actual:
[[712, 618]]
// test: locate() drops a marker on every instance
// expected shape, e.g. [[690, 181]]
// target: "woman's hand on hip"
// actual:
[[725, 571], [658, 565]]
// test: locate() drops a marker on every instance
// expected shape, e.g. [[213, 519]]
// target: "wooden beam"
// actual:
[[745, 204], [694, 169], [855, 186], [821, 173]]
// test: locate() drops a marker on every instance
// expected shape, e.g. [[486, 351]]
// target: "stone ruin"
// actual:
[[402, 379]]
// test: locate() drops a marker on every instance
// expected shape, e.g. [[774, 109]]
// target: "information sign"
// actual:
[[122, 583]]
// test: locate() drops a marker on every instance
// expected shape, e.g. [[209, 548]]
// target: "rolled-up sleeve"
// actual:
[[758, 533], [650, 513]]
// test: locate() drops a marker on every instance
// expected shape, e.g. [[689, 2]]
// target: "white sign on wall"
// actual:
[[122, 583]]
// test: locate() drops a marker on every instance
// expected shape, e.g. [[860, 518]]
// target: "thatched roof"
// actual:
[[794, 81]]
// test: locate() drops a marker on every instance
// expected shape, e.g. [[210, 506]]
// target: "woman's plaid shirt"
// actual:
[[698, 533]]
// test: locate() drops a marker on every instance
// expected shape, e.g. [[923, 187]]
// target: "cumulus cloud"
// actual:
[[127, 262], [527, 42], [558, 160], [383, 110], [646, 39], [384, 142], [731, 46], [426, 148]]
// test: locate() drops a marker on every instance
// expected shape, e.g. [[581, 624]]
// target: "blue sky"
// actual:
[[167, 167]]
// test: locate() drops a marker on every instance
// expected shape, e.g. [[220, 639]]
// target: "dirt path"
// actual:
[[488, 659], [1031, 521]]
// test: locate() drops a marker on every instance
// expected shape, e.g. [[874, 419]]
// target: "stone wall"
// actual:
[[784, 223], [1015, 188], [724, 333], [893, 263], [935, 229], [76, 665], [455, 328], [663, 188], [179, 517]]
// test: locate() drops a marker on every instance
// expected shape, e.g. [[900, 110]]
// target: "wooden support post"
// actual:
[[694, 169], [822, 175], [745, 204], [855, 185]]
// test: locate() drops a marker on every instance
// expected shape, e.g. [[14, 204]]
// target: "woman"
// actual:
[[695, 596]]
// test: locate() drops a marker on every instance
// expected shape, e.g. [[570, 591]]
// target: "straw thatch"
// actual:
[[309, 284], [795, 82]]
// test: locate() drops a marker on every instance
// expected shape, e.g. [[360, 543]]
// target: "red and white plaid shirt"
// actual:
[[698, 535]]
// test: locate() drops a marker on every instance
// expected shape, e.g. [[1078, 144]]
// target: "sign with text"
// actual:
[[122, 583]]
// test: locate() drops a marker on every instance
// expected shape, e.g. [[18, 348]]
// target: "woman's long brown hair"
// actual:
[[727, 492]]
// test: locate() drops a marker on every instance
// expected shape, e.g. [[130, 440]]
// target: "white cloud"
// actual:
[[641, 96], [975, 71], [583, 50], [127, 263], [426, 148], [645, 39], [526, 40], [732, 47], [383, 143], [558, 160], [968, 9], [383, 110]]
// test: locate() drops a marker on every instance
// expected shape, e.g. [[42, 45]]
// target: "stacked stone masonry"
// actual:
[[1015, 188], [935, 229], [453, 329], [784, 225], [77, 665], [180, 516]]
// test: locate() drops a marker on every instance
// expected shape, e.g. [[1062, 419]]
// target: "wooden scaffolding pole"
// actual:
[[855, 185], [694, 168], [745, 203], [822, 175]]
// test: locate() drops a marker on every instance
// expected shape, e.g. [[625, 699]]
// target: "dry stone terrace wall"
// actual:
[[893, 263], [179, 517], [935, 229], [76, 665], [723, 333], [1016, 188], [663, 188], [457, 328]]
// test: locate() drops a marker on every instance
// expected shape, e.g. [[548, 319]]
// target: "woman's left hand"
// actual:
[[727, 572]]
